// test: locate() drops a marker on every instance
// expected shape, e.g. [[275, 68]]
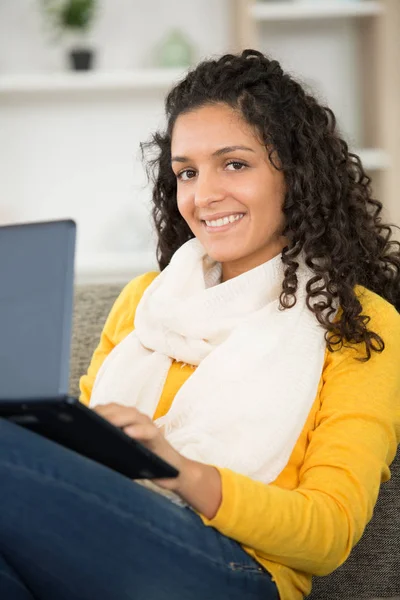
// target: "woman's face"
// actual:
[[227, 190]]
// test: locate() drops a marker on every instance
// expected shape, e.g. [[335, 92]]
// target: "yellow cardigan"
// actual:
[[307, 521]]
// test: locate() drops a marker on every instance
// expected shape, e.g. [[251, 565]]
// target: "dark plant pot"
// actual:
[[81, 60]]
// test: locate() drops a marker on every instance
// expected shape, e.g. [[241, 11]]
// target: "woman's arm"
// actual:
[[200, 486], [314, 527], [118, 325]]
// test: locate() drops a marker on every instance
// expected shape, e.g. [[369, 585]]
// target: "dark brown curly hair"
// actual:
[[331, 216]]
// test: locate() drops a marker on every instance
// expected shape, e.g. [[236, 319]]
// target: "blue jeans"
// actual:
[[71, 529]]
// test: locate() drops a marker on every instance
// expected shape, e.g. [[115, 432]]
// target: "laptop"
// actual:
[[36, 308]]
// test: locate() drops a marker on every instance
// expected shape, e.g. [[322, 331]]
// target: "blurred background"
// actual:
[[82, 83]]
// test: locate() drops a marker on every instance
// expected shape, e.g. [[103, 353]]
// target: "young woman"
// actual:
[[262, 361]]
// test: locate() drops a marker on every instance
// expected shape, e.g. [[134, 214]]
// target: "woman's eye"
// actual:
[[236, 165], [186, 174]]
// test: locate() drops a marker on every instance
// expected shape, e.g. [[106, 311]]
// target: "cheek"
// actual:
[[185, 206], [252, 191]]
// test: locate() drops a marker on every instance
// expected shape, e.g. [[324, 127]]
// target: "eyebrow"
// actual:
[[219, 152]]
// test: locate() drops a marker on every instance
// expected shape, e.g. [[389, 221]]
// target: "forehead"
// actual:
[[213, 125]]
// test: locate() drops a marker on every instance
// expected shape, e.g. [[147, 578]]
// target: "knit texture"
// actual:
[[248, 354]]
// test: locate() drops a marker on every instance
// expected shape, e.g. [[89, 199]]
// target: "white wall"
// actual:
[[76, 153]]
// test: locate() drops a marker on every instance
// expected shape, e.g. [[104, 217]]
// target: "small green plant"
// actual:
[[76, 15]]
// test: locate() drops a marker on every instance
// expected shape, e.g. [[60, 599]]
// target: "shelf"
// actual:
[[143, 79], [302, 10]]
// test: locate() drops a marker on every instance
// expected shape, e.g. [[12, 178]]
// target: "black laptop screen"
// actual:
[[36, 297]]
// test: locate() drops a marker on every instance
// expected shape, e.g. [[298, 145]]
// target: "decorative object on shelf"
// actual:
[[73, 19], [175, 51]]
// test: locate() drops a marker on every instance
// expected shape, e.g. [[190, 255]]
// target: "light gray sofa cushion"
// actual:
[[372, 570], [91, 307]]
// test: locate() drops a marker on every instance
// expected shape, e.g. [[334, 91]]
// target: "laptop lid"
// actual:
[[36, 302]]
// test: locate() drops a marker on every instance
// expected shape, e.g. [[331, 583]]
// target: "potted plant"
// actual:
[[73, 18]]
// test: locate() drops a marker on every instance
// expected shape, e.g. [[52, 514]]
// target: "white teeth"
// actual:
[[224, 221]]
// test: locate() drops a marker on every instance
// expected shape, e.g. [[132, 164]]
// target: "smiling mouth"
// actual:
[[223, 224]]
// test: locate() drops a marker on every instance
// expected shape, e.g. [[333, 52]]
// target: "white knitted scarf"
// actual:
[[258, 366]]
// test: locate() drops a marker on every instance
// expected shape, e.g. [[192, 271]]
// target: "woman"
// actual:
[[262, 362]]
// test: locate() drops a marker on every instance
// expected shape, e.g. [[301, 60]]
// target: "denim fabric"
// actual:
[[73, 529]]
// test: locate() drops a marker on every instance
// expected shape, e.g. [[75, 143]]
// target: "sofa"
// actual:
[[372, 572]]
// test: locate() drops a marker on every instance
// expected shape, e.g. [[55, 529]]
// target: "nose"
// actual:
[[207, 190]]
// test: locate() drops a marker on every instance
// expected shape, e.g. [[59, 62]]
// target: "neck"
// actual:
[[242, 265]]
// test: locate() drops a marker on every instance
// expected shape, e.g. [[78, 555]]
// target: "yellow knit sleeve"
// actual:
[[119, 323], [314, 527]]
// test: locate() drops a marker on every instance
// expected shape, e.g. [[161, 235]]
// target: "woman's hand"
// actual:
[[199, 484], [141, 428]]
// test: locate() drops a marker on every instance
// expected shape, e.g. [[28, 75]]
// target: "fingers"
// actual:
[[122, 416], [133, 422], [145, 432]]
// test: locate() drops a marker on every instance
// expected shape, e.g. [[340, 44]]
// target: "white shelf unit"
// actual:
[[300, 10], [376, 25], [96, 81]]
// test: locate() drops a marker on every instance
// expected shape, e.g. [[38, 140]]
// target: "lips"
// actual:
[[220, 216]]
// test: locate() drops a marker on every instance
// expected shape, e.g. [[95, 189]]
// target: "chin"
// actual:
[[223, 256]]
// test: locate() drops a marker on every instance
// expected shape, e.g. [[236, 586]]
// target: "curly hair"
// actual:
[[331, 217]]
